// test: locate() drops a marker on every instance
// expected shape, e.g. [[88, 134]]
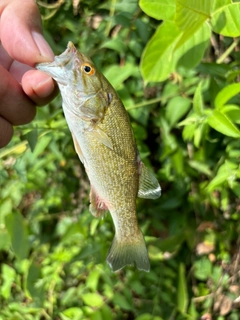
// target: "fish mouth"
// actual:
[[67, 61]]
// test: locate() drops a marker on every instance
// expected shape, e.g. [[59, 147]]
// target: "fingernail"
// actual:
[[43, 46]]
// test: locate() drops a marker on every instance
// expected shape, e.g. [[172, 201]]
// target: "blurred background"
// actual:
[[180, 84]]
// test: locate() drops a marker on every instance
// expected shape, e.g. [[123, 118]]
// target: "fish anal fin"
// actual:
[[130, 252], [97, 206], [101, 136], [77, 148], [149, 187]]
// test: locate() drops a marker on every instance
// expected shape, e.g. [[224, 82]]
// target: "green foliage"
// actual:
[[185, 115]]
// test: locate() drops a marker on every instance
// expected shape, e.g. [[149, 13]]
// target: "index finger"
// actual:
[[21, 32]]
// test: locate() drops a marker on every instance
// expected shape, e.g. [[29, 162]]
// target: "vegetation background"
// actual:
[[175, 64]]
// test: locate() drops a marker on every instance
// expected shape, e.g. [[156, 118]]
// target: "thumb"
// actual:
[[21, 32]]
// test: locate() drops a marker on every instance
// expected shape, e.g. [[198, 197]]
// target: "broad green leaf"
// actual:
[[160, 58], [226, 94], [92, 299], [182, 294], [161, 10], [232, 111], [191, 51], [223, 124], [18, 232], [225, 21], [217, 4], [176, 108], [157, 59], [198, 100], [199, 6], [190, 16]]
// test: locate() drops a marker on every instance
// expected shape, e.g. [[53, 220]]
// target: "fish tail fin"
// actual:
[[123, 253]]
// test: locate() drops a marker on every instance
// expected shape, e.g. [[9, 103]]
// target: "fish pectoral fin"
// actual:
[[149, 187], [102, 137], [77, 148]]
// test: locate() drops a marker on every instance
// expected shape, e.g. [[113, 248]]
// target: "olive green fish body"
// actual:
[[104, 141]]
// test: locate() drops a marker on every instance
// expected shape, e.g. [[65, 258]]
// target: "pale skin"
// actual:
[[22, 46]]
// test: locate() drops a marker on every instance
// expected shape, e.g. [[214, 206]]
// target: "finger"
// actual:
[[22, 25], [6, 132], [40, 87], [15, 106], [18, 69]]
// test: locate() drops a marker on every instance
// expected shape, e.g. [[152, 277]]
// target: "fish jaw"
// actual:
[[62, 64]]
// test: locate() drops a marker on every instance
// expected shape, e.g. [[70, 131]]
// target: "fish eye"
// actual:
[[88, 69]]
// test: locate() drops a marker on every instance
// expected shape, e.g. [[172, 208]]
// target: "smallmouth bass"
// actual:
[[104, 141]]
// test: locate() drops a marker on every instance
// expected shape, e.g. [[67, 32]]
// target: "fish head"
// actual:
[[76, 75]]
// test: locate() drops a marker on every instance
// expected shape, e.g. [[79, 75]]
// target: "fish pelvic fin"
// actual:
[[123, 253], [98, 207]]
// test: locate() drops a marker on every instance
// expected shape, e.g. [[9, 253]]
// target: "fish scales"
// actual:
[[104, 141]]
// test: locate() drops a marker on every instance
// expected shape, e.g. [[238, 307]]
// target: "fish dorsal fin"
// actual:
[[102, 137], [149, 187]]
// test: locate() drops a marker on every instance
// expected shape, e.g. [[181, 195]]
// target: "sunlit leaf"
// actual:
[[92, 299], [190, 16], [157, 60], [223, 124], [226, 94], [161, 10], [226, 20]]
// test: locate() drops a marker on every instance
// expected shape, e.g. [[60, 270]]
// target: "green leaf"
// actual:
[[226, 94], [157, 60], [161, 10], [34, 275], [202, 268], [191, 51], [176, 108], [223, 124], [92, 299], [198, 100], [225, 21], [121, 301], [73, 313], [18, 231], [190, 16], [32, 138], [115, 44], [8, 276], [182, 294], [116, 74], [160, 56]]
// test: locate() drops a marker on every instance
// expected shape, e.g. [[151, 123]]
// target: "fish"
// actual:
[[104, 141]]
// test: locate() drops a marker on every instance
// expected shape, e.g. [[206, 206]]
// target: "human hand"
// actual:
[[22, 46]]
